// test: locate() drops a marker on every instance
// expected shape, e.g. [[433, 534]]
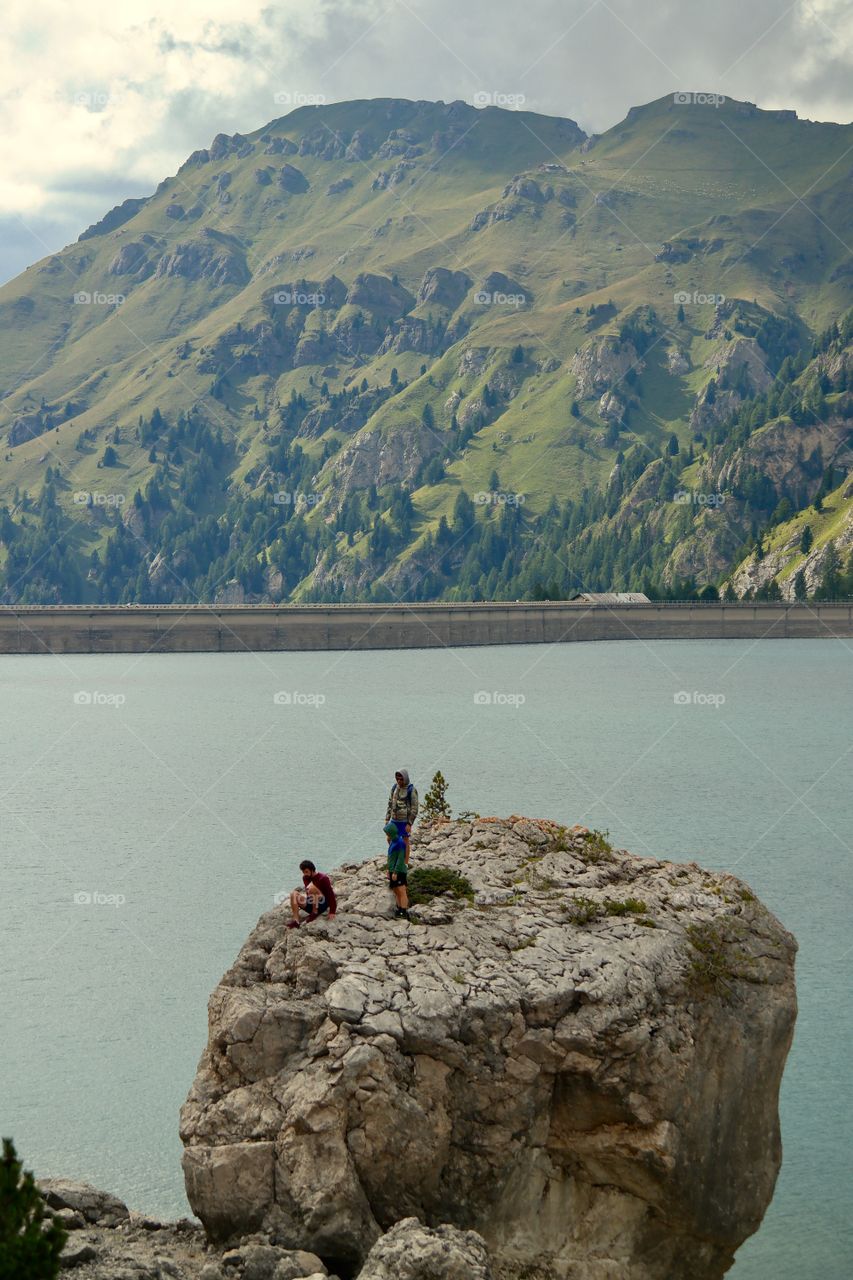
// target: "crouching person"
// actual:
[[397, 869], [314, 898]]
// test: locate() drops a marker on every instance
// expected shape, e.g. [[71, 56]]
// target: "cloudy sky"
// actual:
[[103, 98]]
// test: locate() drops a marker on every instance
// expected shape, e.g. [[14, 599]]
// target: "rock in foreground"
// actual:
[[580, 1061]]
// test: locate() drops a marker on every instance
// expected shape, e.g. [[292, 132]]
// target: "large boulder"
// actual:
[[579, 1058], [94, 1206]]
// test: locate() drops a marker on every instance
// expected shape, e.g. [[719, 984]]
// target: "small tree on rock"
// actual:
[[29, 1249], [435, 804]]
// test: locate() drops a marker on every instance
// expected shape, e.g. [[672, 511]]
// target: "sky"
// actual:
[[101, 99]]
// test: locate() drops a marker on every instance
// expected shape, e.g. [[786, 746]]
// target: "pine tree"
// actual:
[[435, 804], [28, 1249]]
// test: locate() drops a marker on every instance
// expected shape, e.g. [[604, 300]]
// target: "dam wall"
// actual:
[[258, 628]]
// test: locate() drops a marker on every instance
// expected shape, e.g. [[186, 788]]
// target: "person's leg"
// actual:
[[297, 901], [402, 897]]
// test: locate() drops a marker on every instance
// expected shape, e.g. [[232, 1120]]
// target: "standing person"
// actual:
[[316, 896], [397, 869], [403, 806]]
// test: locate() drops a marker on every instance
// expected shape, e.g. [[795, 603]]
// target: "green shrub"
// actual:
[[29, 1250], [630, 907], [582, 910], [711, 964], [426, 883], [596, 847]]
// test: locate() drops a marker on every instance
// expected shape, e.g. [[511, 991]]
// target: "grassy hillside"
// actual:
[[391, 348]]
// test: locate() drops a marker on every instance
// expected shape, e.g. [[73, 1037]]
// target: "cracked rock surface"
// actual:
[[580, 1061]]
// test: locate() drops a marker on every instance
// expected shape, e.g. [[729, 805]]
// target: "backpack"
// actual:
[[409, 790]]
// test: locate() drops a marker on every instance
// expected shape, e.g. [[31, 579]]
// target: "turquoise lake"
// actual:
[[153, 806]]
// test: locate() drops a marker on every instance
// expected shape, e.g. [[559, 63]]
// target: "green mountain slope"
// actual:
[[391, 348]]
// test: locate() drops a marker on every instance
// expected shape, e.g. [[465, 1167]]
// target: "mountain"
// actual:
[[387, 349]]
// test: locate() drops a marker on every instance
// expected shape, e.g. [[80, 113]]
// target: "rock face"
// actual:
[[580, 1061]]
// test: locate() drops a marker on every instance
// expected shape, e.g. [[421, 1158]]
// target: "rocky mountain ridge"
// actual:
[[291, 370]]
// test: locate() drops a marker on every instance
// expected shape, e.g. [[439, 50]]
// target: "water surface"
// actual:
[[178, 795]]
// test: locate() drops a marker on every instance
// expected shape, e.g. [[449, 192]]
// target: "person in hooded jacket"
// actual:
[[403, 806]]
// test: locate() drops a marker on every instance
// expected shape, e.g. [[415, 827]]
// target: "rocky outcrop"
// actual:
[[131, 260], [411, 1251], [26, 426], [374, 458], [115, 218], [413, 334], [443, 287], [578, 1057], [601, 365], [214, 257], [379, 294], [754, 573], [293, 180], [108, 1241]]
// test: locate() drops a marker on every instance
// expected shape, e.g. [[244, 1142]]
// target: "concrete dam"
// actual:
[[256, 628]]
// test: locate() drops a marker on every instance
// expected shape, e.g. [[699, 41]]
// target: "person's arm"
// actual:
[[413, 805], [390, 803], [329, 894]]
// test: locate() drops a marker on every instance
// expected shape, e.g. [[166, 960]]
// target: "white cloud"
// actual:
[[102, 100]]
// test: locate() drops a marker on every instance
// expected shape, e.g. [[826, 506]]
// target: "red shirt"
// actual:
[[324, 884]]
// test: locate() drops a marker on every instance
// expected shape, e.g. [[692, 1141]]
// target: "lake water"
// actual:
[[175, 796]]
